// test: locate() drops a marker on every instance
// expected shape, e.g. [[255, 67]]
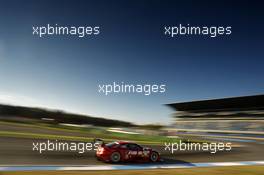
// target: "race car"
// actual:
[[123, 151]]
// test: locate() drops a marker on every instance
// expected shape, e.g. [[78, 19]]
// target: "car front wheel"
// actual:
[[154, 156]]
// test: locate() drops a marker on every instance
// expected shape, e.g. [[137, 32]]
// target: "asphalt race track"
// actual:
[[18, 151]]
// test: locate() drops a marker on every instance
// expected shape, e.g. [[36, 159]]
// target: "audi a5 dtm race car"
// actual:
[[123, 151]]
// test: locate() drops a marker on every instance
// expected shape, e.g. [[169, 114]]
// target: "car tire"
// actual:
[[115, 157], [154, 156]]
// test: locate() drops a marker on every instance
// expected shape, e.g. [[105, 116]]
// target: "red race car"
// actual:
[[123, 151]]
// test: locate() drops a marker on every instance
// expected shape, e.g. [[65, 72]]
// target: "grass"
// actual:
[[90, 134], [237, 170], [60, 137]]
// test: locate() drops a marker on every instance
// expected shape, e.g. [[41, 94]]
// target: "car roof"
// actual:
[[124, 142]]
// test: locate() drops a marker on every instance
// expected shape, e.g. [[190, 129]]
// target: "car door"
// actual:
[[135, 151]]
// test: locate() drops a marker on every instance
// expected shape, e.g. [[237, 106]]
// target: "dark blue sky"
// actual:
[[63, 72]]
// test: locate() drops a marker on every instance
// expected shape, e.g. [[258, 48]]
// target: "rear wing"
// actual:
[[99, 142]]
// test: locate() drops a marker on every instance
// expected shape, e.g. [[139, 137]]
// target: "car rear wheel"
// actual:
[[115, 157], [154, 157]]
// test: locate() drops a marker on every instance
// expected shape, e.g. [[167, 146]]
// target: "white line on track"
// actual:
[[125, 167]]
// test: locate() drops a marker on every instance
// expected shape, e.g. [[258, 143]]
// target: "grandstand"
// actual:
[[236, 115]]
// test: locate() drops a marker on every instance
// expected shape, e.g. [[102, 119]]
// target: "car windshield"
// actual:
[[134, 147], [109, 145]]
